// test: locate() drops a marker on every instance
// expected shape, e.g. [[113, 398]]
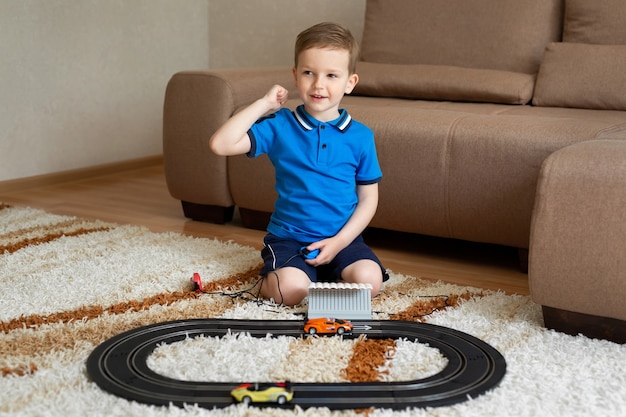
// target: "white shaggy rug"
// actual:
[[68, 285]]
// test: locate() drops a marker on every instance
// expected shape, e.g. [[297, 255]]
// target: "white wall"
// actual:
[[247, 33], [82, 81]]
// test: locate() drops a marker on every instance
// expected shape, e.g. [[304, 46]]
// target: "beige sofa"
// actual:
[[467, 99]]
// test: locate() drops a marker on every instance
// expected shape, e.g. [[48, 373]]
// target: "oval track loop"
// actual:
[[119, 366]]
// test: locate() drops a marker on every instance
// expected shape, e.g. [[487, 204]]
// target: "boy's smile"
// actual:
[[322, 78]]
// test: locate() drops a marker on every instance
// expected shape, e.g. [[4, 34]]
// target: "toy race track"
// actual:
[[119, 367]]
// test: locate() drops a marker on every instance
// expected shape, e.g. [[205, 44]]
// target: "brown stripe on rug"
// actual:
[[63, 331], [65, 336], [368, 357], [22, 370], [423, 308], [91, 312], [36, 235], [413, 299]]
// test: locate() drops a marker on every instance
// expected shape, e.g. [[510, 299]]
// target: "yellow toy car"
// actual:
[[277, 392], [327, 325]]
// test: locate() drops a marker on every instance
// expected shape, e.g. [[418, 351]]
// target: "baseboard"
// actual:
[[21, 184]]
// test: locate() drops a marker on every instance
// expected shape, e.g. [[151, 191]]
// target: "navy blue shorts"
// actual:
[[279, 253]]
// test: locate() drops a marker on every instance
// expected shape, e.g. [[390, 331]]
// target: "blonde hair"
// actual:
[[328, 35]]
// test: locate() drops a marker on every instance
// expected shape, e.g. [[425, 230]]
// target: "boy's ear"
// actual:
[[295, 75], [352, 82]]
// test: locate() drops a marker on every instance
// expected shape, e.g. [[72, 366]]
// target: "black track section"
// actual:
[[119, 366]]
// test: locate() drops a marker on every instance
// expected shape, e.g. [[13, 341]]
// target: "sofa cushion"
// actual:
[[595, 21], [438, 82], [583, 76], [490, 34]]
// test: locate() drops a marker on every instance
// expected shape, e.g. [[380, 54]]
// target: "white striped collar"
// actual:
[[309, 123]]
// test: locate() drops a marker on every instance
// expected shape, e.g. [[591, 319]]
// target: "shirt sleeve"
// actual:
[[368, 171], [262, 134]]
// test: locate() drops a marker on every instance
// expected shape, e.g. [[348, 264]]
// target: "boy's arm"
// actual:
[[232, 137], [363, 214]]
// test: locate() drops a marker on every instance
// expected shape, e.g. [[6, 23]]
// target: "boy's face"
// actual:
[[322, 78]]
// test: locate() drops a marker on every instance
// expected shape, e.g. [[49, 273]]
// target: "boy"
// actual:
[[327, 171]]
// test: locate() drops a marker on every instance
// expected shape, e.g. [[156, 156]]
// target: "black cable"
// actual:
[[257, 298], [282, 299]]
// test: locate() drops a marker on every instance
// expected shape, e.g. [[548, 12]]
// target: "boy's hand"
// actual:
[[329, 248], [276, 97], [232, 137]]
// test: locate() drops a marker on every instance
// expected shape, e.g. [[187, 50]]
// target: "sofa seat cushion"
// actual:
[[450, 169], [468, 170], [439, 82]]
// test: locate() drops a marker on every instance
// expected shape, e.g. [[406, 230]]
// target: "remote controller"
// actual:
[[309, 254]]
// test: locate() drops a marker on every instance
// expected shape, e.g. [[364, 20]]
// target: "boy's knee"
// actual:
[[364, 272], [376, 283], [287, 286]]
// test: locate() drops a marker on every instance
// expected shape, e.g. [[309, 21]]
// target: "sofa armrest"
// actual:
[[196, 104], [578, 231]]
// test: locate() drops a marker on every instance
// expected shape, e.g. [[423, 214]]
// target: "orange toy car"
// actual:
[[327, 325]]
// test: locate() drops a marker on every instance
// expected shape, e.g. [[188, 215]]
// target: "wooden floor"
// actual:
[[140, 196]]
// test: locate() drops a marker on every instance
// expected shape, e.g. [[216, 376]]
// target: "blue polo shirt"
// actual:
[[318, 166]]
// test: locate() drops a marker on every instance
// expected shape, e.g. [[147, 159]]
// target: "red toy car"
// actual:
[[196, 282]]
